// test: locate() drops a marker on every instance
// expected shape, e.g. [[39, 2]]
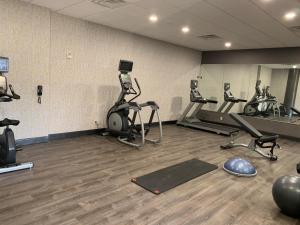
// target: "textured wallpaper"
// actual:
[[25, 39], [77, 63]]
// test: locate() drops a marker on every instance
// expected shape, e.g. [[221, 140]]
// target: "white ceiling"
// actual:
[[247, 24]]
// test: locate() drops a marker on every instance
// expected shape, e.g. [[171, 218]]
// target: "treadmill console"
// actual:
[[228, 96], [195, 95]]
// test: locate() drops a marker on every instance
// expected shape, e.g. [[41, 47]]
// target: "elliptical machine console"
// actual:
[[119, 122], [7, 139]]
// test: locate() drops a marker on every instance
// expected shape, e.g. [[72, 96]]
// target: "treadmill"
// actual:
[[229, 100], [193, 122]]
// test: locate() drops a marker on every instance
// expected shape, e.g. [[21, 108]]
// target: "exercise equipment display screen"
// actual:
[[125, 66], [4, 62]]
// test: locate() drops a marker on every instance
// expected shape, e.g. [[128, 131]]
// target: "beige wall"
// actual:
[[265, 76], [278, 83], [25, 39], [79, 91]]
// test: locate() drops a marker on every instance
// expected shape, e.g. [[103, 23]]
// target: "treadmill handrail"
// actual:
[[211, 101]]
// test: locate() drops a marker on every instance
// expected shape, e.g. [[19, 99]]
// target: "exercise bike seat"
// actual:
[[265, 139], [5, 99], [7, 122]]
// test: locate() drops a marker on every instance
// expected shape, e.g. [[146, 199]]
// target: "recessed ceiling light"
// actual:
[[153, 18], [290, 15], [228, 44], [185, 29], [294, 66]]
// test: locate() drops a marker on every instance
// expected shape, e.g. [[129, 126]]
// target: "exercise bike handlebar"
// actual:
[[14, 95], [137, 84]]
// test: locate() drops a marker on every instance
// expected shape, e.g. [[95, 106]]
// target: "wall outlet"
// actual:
[[69, 55], [221, 118]]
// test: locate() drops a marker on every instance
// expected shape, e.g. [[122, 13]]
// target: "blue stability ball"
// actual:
[[286, 194], [240, 167]]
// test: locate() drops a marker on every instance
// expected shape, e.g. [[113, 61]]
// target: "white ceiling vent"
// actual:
[[112, 4], [209, 37]]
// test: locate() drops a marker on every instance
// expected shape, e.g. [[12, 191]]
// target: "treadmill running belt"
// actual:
[[170, 177], [217, 126]]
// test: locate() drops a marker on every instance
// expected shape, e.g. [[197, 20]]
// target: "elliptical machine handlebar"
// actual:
[[138, 85], [5, 97], [211, 101], [135, 92]]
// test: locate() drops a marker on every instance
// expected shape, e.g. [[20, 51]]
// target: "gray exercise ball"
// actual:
[[286, 194]]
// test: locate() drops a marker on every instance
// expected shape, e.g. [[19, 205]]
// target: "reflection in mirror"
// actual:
[[271, 90], [242, 79], [279, 92]]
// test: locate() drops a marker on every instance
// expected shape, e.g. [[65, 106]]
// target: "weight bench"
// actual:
[[259, 140]]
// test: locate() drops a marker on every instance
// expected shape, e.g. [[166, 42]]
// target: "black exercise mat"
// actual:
[[170, 177]]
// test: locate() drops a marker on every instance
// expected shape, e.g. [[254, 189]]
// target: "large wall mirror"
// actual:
[[272, 91]]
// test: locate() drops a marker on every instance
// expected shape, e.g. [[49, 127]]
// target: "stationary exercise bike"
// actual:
[[119, 122], [8, 147]]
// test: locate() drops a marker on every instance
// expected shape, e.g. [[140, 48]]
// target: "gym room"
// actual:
[[150, 112]]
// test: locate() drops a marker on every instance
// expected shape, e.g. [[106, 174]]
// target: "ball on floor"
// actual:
[[239, 167], [286, 194]]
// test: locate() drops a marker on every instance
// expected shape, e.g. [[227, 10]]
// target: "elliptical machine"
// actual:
[[8, 147], [119, 122]]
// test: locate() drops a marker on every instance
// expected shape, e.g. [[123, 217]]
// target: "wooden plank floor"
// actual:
[[86, 181]]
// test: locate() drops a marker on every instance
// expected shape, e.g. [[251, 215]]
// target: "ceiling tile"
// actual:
[[250, 14], [246, 23], [83, 9], [55, 4]]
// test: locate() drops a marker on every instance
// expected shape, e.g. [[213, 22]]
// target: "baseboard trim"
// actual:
[[31, 141], [170, 122], [74, 134], [60, 136]]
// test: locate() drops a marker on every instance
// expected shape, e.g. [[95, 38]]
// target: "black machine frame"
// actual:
[[259, 140], [193, 122], [120, 124], [8, 148]]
